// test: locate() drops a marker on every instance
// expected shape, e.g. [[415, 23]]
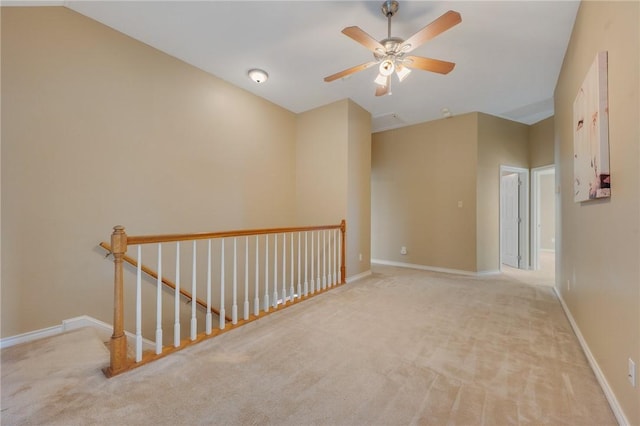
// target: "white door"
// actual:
[[510, 220]]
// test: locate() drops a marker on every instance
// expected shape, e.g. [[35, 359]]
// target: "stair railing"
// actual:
[[167, 282], [295, 264]]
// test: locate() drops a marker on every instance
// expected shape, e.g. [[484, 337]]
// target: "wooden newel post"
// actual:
[[118, 339], [343, 268]]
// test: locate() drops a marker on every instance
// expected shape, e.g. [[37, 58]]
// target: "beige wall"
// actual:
[[547, 211], [500, 143], [333, 164], [541, 143], [419, 173], [359, 191], [600, 240], [321, 164], [99, 130]]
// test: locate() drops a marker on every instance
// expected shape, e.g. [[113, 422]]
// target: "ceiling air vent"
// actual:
[[386, 122]]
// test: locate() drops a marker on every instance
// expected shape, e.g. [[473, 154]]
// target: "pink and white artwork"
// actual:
[[591, 135]]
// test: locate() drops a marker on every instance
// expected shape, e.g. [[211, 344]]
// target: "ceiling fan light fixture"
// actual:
[[402, 72], [381, 80], [387, 67], [258, 75]]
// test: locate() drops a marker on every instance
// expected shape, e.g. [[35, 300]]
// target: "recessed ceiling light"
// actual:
[[257, 75]]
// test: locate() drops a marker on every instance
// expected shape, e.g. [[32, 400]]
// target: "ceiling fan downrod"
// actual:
[[389, 8]]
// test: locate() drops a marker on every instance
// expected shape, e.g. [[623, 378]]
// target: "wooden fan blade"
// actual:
[[383, 90], [357, 34], [428, 64], [438, 26], [349, 71]]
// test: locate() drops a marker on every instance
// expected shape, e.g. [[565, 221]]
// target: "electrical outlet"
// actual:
[[631, 375], [568, 285], [360, 257], [403, 250]]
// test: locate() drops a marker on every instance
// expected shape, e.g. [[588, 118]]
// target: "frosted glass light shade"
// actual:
[[259, 76]]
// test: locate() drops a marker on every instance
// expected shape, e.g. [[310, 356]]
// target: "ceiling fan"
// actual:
[[391, 52]]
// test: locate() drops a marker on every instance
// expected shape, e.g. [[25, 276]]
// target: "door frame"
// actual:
[[536, 173], [523, 212]]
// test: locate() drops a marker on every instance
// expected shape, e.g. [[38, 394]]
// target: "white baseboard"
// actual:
[[602, 380], [358, 276], [67, 325], [487, 273], [434, 268], [30, 336]]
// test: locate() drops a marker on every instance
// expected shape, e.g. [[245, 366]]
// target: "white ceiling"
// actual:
[[508, 53]]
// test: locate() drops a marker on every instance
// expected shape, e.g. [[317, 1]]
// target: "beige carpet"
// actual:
[[401, 347], [545, 276]]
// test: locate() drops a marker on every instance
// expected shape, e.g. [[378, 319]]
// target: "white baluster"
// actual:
[[324, 259], [234, 307], [329, 258], [194, 321], [330, 250], [222, 311], [246, 278], [284, 269], [256, 299], [306, 282], [318, 280], [266, 273], [275, 271], [139, 306], [335, 257], [340, 256], [291, 290], [176, 305], [159, 303], [299, 272], [208, 317], [313, 261]]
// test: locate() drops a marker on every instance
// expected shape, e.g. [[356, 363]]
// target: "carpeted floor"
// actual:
[[400, 347], [545, 276]]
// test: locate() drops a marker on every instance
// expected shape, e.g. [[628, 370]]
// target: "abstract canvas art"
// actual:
[[591, 135]]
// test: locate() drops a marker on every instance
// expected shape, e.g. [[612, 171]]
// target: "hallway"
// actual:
[[545, 276]]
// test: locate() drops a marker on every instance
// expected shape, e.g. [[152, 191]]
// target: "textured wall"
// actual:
[[500, 143], [359, 191], [419, 174], [541, 143], [98, 130], [600, 240], [321, 164], [333, 177]]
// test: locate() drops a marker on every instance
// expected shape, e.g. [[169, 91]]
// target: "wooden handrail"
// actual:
[[149, 239], [165, 281]]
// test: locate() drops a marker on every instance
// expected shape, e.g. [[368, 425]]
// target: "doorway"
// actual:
[[543, 207], [514, 217]]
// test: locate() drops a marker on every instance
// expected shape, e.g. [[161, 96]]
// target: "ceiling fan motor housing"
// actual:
[[389, 8], [391, 48]]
